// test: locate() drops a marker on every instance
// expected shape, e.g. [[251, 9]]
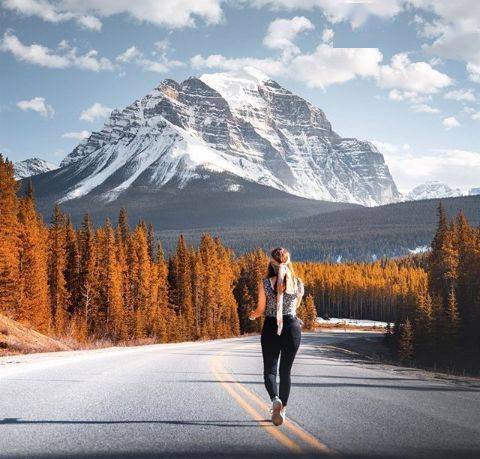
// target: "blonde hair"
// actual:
[[281, 256]]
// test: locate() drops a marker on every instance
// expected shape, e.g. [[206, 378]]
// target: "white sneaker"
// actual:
[[277, 408], [283, 413]]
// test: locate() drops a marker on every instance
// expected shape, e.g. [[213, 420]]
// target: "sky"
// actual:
[[402, 74]]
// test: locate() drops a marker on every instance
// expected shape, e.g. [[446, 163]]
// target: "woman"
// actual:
[[279, 295]]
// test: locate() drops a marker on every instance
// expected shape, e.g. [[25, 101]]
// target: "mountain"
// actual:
[[432, 190], [224, 133], [32, 166], [474, 191]]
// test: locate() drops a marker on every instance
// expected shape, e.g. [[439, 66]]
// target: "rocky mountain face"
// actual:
[[243, 126], [32, 166], [474, 191], [432, 190]]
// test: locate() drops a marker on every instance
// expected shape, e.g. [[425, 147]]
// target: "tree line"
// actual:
[[440, 327], [113, 282]]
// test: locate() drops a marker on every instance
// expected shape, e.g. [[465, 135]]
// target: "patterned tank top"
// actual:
[[289, 299]]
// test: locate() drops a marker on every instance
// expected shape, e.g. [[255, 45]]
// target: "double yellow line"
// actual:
[[243, 396]]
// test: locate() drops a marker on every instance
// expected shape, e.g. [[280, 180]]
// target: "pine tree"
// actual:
[[151, 242], [424, 327], [227, 273], [56, 272], [182, 283], [35, 306], [88, 280], [111, 286], [124, 229], [122, 250], [9, 241], [163, 315], [310, 314], [452, 326], [141, 281], [405, 352], [72, 267]]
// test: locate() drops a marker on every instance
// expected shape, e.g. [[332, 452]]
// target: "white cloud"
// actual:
[[473, 72], [65, 55], [89, 22], [461, 94], [128, 55], [76, 135], [161, 62], [169, 13], [410, 96], [425, 108], [34, 54], [417, 101], [327, 36], [37, 104], [184, 13], [450, 122], [160, 66], [320, 69], [271, 67], [457, 168], [90, 61], [354, 12], [328, 65], [282, 33], [454, 27], [50, 12], [476, 116], [418, 77], [96, 111]]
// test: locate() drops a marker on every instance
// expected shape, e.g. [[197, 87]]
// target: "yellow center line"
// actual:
[[290, 425], [219, 373]]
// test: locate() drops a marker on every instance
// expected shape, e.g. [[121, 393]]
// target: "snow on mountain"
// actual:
[[32, 166], [239, 123], [432, 190], [474, 191]]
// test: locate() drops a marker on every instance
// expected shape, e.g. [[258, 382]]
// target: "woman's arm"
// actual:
[[301, 291], [261, 303]]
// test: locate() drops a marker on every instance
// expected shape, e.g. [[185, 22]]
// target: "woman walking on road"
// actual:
[[279, 295]]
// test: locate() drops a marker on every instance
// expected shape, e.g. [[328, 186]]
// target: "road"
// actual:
[[207, 399]]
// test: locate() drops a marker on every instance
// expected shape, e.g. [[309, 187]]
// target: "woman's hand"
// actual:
[[261, 303]]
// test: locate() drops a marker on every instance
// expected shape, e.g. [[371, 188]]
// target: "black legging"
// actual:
[[286, 346]]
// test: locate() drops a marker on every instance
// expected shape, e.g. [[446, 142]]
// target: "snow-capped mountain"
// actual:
[[432, 190], [242, 125], [474, 191], [32, 166]]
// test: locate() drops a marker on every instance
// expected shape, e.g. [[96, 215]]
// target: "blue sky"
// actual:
[[404, 74]]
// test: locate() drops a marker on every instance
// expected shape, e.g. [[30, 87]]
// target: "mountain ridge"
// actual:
[[32, 166], [432, 189], [182, 131]]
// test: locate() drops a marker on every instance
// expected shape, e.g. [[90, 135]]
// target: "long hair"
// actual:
[[280, 255]]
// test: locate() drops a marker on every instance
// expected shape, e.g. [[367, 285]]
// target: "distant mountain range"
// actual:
[[432, 190], [32, 166]]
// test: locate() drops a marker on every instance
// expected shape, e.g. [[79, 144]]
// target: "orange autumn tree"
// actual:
[[33, 289], [9, 241], [116, 284]]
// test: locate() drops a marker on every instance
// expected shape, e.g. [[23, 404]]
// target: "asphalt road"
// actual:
[[207, 399]]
